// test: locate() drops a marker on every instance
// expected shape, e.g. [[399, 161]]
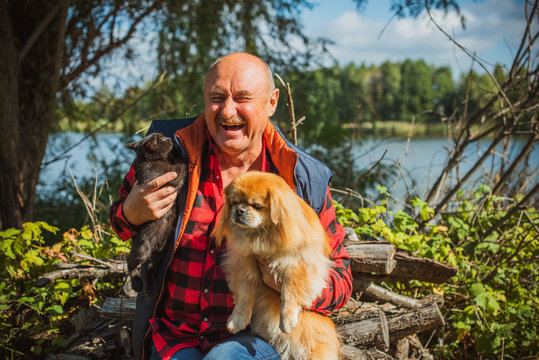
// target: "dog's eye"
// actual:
[[257, 206]]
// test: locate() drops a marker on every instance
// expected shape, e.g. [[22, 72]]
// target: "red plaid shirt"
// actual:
[[197, 301]]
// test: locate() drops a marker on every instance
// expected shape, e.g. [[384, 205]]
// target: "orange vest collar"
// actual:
[[283, 157], [192, 138]]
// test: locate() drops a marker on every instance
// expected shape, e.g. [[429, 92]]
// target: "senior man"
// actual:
[[187, 320]]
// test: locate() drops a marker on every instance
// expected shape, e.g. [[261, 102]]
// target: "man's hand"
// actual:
[[267, 276], [150, 201]]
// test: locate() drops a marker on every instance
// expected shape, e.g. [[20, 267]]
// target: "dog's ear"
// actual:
[[282, 205], [276, 208]]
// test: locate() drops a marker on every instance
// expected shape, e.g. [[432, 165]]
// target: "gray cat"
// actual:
[[156, 155]]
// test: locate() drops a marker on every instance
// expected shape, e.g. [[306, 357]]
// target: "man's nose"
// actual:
[[229, 108]]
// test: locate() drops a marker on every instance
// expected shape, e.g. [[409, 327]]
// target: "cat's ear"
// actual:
[[136, 144], [151, 144], [133, 145]]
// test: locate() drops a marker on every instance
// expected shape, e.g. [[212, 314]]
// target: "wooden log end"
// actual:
[[352, 353]]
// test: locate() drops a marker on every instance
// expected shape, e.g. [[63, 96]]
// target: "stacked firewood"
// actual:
[[377, 323], [384, 324]]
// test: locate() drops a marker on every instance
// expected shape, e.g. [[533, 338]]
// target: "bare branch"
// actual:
[[469, 53], [87, 61], [292, 116], [510, 213]]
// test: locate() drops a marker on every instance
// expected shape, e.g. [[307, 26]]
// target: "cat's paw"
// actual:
[[136, 283]]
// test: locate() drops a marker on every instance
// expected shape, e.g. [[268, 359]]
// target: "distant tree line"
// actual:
[[333, 99], [337, 99]]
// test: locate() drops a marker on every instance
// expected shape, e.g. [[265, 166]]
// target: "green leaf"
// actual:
[[26, 300], [19, 247], [503, 330], [8, 250], [33, 257], [86, 233], [55, 309], [9, 233], [382, 190], [49, 228]]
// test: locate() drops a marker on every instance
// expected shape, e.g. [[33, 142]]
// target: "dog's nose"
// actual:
[[240, 209]]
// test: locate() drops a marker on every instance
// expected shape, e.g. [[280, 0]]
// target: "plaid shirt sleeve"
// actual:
[[339, 287], [117, 219]]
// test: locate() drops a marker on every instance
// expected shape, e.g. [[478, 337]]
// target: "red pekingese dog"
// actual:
[[264, 219]]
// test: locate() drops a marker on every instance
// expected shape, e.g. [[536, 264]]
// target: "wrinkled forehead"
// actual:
[[240, 75]]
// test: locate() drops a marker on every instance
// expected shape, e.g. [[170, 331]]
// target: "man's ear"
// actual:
[[273, 100]]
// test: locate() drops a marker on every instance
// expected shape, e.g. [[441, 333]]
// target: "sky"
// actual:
[[372, 35], [493, 32]]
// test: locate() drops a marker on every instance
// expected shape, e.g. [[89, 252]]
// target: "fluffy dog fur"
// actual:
[[156, 155], [263, 218]]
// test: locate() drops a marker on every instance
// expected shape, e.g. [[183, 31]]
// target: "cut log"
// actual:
[[118, 308], [370, 332], [351, 353], [65, 357], [377, 292], [78, 272], [403, 349], [411, 267], [350, 236], [415, 321], [372, 257], [390, 264]]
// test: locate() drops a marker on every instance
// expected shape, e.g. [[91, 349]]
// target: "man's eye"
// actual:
[[257, 206], [218, 98]]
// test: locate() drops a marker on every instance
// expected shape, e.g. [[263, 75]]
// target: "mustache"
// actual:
[[234, 120]]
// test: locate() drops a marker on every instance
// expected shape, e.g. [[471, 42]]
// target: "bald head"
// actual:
[[241, 60], [239, 98]]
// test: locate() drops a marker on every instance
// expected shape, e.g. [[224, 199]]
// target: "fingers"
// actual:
[[162, 201], [160, 181], [150, 201]]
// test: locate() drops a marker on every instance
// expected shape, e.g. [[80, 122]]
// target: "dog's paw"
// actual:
[[237, 323], [288, 323]]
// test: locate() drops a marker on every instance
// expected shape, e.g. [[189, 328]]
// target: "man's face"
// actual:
[[238, 103]]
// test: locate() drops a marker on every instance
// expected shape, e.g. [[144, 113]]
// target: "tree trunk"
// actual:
[[32, 42]]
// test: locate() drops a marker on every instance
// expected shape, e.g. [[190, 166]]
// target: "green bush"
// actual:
[[33, 319], [491, 304]]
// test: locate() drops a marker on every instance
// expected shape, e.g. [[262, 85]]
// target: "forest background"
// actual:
[[481, 218]]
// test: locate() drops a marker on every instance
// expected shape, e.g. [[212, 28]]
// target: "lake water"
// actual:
[[421, 160]]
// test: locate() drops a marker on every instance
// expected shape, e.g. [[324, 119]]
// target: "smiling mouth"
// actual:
[[232, 127]]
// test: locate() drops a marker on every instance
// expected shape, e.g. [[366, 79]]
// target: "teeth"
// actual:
[[232, 127]]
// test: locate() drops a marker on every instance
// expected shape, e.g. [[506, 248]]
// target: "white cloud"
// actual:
[[493, 31]]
